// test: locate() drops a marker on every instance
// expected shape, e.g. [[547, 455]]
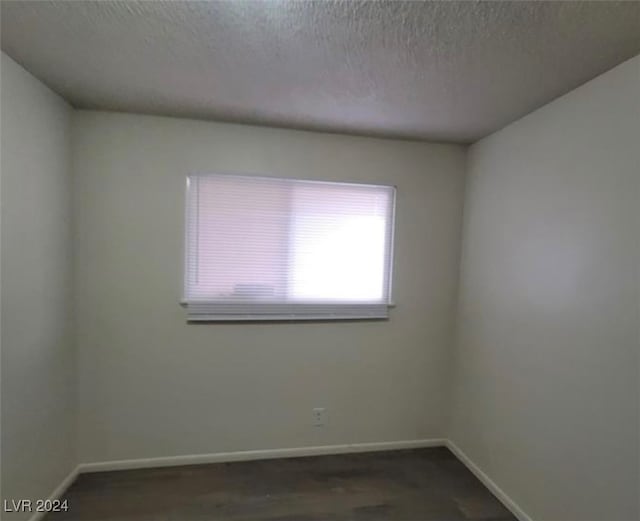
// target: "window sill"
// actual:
[[210, 312]]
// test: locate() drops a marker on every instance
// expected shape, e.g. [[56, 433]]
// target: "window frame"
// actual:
[[312, 311]]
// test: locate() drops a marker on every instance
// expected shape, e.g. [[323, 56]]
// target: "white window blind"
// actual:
[[269, 248]]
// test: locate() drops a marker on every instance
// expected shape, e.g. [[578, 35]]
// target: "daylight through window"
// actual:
[[270, 248]]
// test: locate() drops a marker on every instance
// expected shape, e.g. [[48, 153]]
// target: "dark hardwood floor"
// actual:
[[406, 485]]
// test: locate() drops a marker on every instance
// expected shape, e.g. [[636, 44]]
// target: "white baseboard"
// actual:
[[489, 483], [58, 492], [219, 457]]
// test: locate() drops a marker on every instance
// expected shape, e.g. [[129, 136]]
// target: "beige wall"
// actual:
[[546, 387], [38, 359], [153, 385]]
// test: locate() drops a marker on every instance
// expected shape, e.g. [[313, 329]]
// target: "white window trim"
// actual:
[[208, 311]]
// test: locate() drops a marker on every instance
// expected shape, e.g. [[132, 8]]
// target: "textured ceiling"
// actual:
[[444, 71]]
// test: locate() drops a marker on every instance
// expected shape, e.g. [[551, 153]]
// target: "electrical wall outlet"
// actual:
[[320, 416]]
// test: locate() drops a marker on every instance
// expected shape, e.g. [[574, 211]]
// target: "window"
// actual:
[[268, 248]]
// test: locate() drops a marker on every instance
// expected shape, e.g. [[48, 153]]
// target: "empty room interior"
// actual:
[[306, 260]]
